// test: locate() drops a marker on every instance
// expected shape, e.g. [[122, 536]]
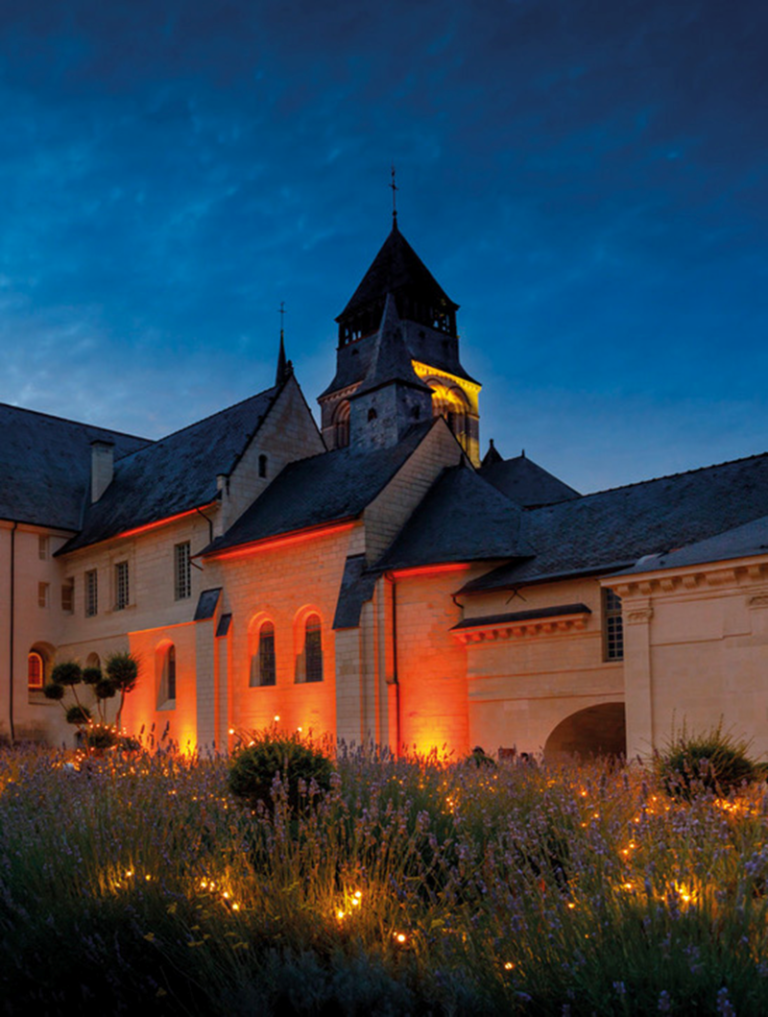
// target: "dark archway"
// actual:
[[596, 731]]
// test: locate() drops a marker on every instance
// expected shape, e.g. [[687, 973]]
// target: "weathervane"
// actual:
[[395, 189]]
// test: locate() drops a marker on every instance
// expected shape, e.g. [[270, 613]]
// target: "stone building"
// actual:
[[372, 578]]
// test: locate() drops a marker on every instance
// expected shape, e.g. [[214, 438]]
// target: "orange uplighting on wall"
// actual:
[[165, 521], [429, 570], [269, 543]]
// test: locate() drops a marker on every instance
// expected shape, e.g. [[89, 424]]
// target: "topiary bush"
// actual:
[[78, 714], [253, 770], [68, 672], [712, 761]]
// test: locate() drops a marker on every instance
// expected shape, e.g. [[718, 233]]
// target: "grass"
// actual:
[[411, 887]]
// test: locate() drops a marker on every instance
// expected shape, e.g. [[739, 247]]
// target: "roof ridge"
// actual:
[[78, 423], [203, 420], [672, 476]]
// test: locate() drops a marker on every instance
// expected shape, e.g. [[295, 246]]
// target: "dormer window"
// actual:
[[262, 465]]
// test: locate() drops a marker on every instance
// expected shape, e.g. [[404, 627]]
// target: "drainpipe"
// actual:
[[395, 680], [11, 620]]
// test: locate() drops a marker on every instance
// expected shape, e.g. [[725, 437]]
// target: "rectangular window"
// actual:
[[613, 626], [42, 548], [91, 593], [42, 594], [68, 596], [121, 585], [182, 571]]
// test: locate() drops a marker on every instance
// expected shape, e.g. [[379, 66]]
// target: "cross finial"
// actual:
[[395, 189], [282, 317]]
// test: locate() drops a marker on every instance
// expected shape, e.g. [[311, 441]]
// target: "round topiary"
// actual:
[[68, 672], [253, 770], [53, 691], [92, 675], [78, 715], [122, 670], [104, 689], [712, 761]]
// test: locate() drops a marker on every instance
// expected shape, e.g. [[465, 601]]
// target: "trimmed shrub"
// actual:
[[712, 761], [104, 689], [68, 672], [92, 675], [53, 691], [253, 770], [78, 715]]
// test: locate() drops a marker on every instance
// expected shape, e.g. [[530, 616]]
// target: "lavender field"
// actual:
[[140, 885]]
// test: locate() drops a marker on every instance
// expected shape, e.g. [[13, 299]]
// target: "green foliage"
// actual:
[[53, 691], [92, 675], [298, 764], [68, 672], [105, 689], [101, 736], [712, 761], [122, 669], [479, 757], [78, 714]]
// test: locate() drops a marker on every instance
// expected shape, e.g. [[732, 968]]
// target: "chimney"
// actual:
[[102, 467]]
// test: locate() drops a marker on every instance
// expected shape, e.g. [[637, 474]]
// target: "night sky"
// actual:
[[586, 178]]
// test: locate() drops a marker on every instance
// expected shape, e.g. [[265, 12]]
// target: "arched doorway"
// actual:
[[595, 731]]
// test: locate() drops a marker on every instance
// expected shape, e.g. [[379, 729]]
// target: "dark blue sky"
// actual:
[[587, 178]]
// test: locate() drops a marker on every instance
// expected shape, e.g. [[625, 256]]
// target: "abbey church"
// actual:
[[377, 578]]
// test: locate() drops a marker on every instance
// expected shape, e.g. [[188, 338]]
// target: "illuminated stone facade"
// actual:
[[372, 579]]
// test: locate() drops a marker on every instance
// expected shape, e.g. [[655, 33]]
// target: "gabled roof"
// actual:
[[613, 529], [45, 465], [524, 481], [390, 361], [175, 474], [462, 518], [326, 488], [395, 267]]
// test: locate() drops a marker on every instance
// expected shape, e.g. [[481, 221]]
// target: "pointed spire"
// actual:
[[391, 360], [283, 365], [492, 455], [395, 189]]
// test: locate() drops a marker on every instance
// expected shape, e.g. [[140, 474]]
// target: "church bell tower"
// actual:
[[427, 327]]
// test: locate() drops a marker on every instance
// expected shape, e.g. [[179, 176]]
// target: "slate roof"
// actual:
[[462, 518], [175, 474], [745, 541], [45, 465], [390, 360], [326, 488], [613, 529], [396, 266], [524, 481]]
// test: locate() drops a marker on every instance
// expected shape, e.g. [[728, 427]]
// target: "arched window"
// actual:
[[93, 660], [372, 414], [341, 425], [313, 649], [263, 661], [450, 403], [35, 670], [165, 660]]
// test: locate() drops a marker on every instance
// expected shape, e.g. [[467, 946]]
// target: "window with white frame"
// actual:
[[122, 591], [42, 594], [166, 692], [68, 596], [91, 593], [613, 626], [182, 571]]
